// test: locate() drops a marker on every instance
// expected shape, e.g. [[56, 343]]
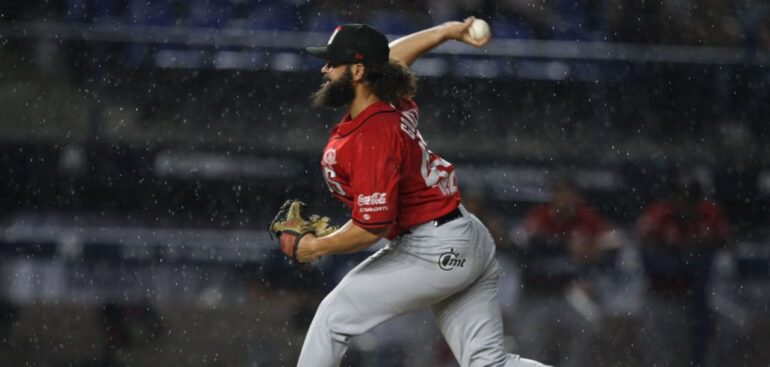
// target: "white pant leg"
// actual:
[[387, 284], [547, 319], [471, 320], [535, 324], [424, 268], [472, 325]]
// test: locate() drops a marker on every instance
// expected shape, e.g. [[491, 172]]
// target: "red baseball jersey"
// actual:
[[542, 221], [379, 166], [660, 222]]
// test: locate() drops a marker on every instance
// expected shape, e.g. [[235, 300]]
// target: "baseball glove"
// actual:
[[321, 226], [289, 226]]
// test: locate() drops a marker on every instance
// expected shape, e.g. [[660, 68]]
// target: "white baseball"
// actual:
[[479, 29]]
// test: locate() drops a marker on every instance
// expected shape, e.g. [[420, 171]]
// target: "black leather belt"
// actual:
[[446, 218]]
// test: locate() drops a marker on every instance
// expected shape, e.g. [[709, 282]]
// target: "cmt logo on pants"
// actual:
[[450, 260]]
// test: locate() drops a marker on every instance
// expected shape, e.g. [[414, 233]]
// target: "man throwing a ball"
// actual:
[[377, 163]]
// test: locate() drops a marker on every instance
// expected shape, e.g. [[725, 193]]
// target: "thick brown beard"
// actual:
[[335, 93]]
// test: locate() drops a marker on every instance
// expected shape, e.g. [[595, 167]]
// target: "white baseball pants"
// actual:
[[450, 268]]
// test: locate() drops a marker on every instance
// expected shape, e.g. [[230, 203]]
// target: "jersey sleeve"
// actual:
[[650, 222], [593, 223], [376, 174], [714, 224], [536, 221]]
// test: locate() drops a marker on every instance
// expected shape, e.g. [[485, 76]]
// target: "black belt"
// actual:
[[446, 218]]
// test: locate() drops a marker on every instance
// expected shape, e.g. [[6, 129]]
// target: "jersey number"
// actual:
[[334, 186], [431, 163]]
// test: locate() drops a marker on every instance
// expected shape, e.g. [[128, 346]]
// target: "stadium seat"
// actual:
[[152, 13], [319, 21], [392, 22], [156, 13], [95, 11], [508, 28], [577, 23], [270, 15], [209, 13]]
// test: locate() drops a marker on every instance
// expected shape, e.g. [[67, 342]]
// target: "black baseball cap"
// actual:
[[354, 43]]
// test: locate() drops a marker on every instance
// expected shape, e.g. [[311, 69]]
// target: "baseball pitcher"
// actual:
[[377, 163]]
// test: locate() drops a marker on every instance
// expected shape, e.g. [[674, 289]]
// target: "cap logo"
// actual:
[[336, 30], [358, 56]]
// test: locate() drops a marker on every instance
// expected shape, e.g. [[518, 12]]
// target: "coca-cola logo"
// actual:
[[378, 198]]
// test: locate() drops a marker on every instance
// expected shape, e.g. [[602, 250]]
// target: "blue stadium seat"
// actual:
[[279, 17], [567, 8], [209, 13], [319, 21], [508, 28], [575, 21], [157, 12], [95, 11], [151, 13], [77, 11], [270, 15], [110, 11], [392, 22], [571, 19]]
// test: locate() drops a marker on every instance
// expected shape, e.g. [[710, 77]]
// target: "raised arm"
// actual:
[[410, 47]]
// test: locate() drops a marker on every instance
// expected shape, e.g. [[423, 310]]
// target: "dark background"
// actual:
[[144, 147]]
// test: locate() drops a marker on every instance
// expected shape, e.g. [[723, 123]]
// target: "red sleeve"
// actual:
[[376, 173], [648, 226], [714, 222], [537, 221], [591, 222]]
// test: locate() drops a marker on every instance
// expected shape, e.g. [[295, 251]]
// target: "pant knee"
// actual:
[[517, 361], [487, 356], [327, 319]]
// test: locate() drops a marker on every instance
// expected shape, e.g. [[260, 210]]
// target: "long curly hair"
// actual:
[[391, 81]]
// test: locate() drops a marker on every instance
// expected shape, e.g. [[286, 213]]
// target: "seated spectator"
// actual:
[[679, 236], [563, 241]]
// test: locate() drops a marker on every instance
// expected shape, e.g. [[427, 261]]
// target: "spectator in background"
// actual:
[[562, 241], [679, 236]]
